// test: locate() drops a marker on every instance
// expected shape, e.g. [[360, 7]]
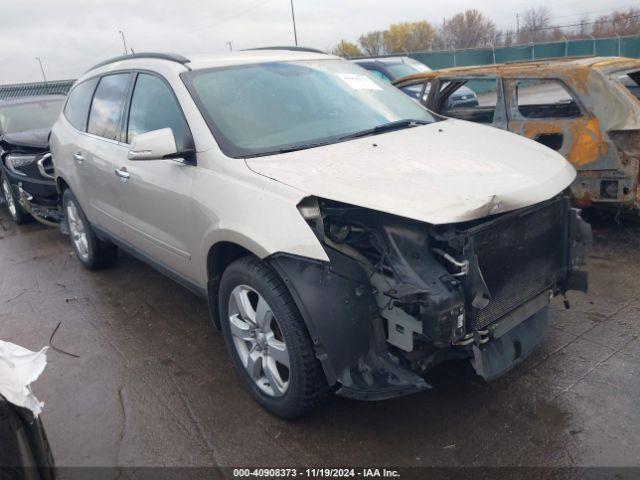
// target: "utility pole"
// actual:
[[444, 33], [42, 70], [518, 26], [123, 41], [230, 44], [293, 17]]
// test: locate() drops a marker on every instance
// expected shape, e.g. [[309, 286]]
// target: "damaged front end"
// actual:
[[399, 296], [28, 166]]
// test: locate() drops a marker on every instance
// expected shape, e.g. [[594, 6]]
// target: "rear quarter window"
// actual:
[[631, 82], [542, 98], [77, 108]]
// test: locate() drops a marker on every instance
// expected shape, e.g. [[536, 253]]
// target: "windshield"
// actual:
[[34, 115], [264, 108]]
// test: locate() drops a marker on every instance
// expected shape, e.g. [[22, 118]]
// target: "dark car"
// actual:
[[26, 168], [395, 68]]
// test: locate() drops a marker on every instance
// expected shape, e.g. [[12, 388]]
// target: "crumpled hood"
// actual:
[[36, 139], [445, 172]]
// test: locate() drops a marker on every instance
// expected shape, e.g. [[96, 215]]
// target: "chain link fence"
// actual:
[[627, 46], [59, 87]]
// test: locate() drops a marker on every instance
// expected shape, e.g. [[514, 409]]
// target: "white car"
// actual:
[[346, 238]]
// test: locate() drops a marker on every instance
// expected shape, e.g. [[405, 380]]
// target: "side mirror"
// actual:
[[154, 145]]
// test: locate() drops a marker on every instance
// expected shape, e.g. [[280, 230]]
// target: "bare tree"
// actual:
[[555, 34], [508, 37], [619, 22], [535, 25], [583, 29], [372, 43], [470, 29]]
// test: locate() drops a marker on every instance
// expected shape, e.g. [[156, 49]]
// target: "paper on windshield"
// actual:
[[358, 81], [19, 368]]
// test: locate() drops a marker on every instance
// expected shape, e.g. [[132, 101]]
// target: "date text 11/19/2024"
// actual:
[[315, 473]]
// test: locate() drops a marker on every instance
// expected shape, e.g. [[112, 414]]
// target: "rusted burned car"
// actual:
[[585, 108]]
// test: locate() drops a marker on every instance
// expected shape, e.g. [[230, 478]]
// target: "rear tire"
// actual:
[[18, 214], [92, 252], [260, 349]]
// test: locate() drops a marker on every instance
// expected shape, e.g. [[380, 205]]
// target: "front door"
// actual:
[[156, 194], [474, 99]]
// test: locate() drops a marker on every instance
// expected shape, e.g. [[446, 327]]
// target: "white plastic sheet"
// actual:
[[19, 368]]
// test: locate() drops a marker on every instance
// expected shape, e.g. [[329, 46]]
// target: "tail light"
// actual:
[[627, 144]]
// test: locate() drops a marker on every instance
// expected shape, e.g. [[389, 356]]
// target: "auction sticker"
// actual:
[[358, 81]]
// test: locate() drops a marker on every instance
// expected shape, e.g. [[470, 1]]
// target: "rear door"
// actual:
[[547, 111], [156, 195], [99, 150]]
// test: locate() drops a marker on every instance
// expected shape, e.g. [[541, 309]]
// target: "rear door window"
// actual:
[[545, 99], [106, 108], [153, 106], [77, 108]]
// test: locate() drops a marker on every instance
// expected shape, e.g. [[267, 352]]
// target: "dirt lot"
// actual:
[[153, 384]]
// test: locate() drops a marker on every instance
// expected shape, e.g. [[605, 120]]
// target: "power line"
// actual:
[[212, 25], [506, 24], [230, 17], [610, 20]]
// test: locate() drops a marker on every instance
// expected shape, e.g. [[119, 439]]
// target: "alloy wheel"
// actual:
[[259, 341], [77, 231], [8, 196]]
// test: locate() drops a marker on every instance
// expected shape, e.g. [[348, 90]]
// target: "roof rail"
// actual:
[[293, 48], [172, 57]]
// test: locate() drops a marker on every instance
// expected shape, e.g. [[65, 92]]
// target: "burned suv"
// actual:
[[345, 237], [587, 109]]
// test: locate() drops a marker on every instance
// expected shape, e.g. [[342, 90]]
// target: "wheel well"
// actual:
[[220, 256], [61, 185]]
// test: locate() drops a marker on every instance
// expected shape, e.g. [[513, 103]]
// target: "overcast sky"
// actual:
[[70, 36]]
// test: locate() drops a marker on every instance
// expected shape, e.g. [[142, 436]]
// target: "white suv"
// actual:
[[346, 238]]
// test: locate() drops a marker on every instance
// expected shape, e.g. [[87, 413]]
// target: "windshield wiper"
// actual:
[[293, 148], [386, 127]]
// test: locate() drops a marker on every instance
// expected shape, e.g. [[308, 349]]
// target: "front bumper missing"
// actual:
[[49, 215], [375, 338]]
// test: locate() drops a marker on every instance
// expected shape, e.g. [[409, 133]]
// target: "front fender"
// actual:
[[337, 304]]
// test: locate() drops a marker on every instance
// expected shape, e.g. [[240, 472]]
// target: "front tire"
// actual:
[[92, 252], [18, 214], [268, 341]]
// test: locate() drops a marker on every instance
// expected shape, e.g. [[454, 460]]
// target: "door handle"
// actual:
[[122, 173], [78, 156]]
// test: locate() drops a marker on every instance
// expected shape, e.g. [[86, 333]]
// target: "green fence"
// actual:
[[59, 87], [606, 47]]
